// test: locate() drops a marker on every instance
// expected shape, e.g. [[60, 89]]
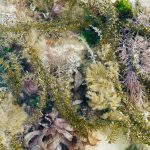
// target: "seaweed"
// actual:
[[124, 9], [106, 90]]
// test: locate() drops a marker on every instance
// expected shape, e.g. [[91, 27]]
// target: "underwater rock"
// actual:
[[56, 133], [120, 144], [78, 80]]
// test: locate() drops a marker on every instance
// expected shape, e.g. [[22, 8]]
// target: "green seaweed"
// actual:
[[32, 102], [91, 36], [124, 9]]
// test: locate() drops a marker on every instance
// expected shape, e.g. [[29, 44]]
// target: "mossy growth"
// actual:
[[55, 94], [61, 99], [124, 9], [2, 146], [14, 144]]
